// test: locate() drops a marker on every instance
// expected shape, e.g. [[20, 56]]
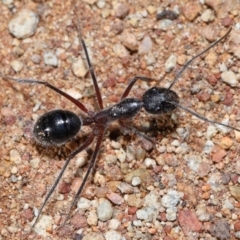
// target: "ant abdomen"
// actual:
[[160, 100], [56, 127]]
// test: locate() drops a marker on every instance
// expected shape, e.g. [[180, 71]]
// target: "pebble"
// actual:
[[90, 2], [203, 169], [170, 63], [113, 235], [78, 221], [84, 203], [150, 163], [129, 40], [207, 16], [79, 68], [44, 223], [92, 218], [121, 155], [228, 205], [215, 182], [34, 163], [226, 143], [16, 65], [104, 210], [142, 173], [220, 229], [235, 192], [120, 51], [101, 3], [145, 46], [125, 187], [114, 224], [15, 156], [136, 181], [219, 155], [7, 2], [92, 235], [171, 199], [189, 222], [193, 161], [122, 10], [115, 198], [152, 199], [191, 10], [147, 213], [165, 24], [237, 226], [24, 24], [14, 170], [230, 78], [171, 214], [134, 200], [211, 132], [50, 59], [202, 214], [36, 58]]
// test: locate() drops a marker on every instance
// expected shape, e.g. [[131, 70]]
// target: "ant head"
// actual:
[[160, 100], [56, 127]]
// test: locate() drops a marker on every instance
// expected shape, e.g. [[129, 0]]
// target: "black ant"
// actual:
[[59, 126]]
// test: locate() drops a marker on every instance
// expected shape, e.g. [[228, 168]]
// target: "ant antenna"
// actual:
[[198, 55]]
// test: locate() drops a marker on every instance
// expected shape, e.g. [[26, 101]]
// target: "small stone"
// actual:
[[122, 10], [28, 214], [220, 229], [136, 181], [230, 78], [114, 224], [165, 24], [15, 156], [237, 226], [83, 203], [50, 59], [24, 24], [226, 143], [191, 10], [14, 170], [125, 187], [104, 210], [235, 192], [45, 222], [134, 200], [207, 16], [219, 155], [189, 222], [120, 51], [145, 46], [171, 199], [211, 131], [95, 236], [112, 235], [90, 2], [79, 221], [36, 58], [203, 169], [16, 65], [64, 187], [92, 218], [146, 213], [78, 67], [170, 63], [7, 2], [150, 163], [115, 198], [34, 163], [171, 214], [129, 40]]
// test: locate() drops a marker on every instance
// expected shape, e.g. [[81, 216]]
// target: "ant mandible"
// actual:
[[59, 126]]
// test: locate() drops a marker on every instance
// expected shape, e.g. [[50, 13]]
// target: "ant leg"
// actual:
[[203, 118], [31, 81], [90, 167], [71, 156], [198, 55], [91, 70], [133, 81], [124, 126]]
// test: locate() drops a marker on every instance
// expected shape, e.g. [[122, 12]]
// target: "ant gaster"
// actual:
[[59, 126]]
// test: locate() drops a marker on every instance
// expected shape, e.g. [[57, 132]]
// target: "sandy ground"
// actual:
[[187, 188]]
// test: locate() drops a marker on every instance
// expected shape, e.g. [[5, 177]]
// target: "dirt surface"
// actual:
[[186, 188]]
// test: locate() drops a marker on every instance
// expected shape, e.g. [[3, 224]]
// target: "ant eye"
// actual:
[[160, 100], [56, 127]]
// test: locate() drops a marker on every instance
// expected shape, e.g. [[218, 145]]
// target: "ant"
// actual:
[[60, 126]]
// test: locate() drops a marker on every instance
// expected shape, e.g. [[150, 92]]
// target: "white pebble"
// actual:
[[171, 199], [170, 63], [114, 224], [92, 218], [211, 132], [15, 156], [44, 222], [145, 46], [207, 15], [230, 78], [104, 210], [150, 163], [24, 24], [171, 214], [121, 155], [50, 59], [17, 65], [83, 203], [79, 68], [136, 181], [113, 235], [34, 163]]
